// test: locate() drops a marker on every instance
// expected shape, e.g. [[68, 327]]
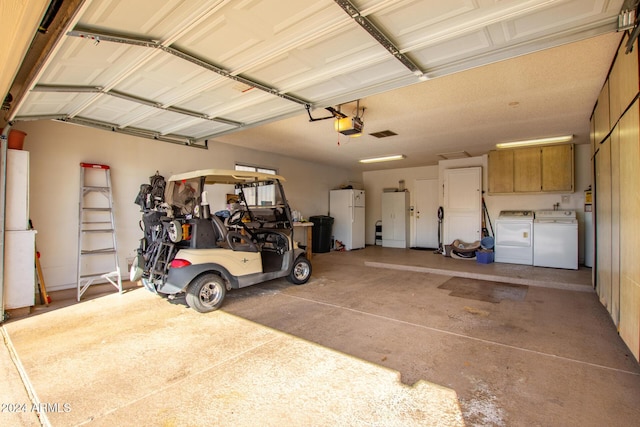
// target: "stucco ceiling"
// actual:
[[445, 76]]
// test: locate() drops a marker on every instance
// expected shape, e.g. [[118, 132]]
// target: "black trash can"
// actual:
[[321, 235]]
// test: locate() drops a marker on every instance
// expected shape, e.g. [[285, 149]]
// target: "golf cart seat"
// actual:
[[219, 228]]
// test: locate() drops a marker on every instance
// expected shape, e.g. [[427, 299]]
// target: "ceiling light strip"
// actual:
[[383, 158], [537, 141], [114, 38], [379, 36]]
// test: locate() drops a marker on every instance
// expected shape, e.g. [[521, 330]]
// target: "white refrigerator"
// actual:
[[346, 207]]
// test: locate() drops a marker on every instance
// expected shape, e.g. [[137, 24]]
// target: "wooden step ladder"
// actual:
[[97, 249]]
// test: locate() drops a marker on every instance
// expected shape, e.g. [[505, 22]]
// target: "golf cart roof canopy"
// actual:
[[222, 176]]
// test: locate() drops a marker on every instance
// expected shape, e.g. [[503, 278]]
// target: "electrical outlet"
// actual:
[[565, 199]]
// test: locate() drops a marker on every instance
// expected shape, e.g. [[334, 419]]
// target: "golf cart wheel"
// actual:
[[174, 230], [300, 272], [206, 293]]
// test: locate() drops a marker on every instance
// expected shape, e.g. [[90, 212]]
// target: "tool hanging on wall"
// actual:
[[485, 211], [44, 297]]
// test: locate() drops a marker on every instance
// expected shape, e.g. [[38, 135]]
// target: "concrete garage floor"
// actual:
[[381, 337]]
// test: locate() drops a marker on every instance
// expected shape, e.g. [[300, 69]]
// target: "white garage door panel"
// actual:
[[244, 33], [109, 109], [184, 77], [174, 53], [44, 103], [84, 62]]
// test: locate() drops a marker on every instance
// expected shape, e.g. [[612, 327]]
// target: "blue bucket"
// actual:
[[486, 242]]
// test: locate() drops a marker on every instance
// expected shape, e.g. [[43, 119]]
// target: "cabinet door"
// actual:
[[557, 168], [19, 275], [527, 169], [501, 171], [629, 229], [394, 212], [623, 81], [592, 136], [603, 223], [601, 114], [388, 216], [17, 214], [400, 212]]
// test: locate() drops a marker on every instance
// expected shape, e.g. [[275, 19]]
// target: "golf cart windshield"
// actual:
[[265, 203]]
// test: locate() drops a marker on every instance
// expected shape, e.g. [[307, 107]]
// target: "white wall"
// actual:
[[56, 150], [376, 181]]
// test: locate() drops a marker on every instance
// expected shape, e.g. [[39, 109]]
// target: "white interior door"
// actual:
[[462, 205], [426, 213]]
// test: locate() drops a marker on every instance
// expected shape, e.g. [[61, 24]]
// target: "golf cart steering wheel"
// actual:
[[236, 217]]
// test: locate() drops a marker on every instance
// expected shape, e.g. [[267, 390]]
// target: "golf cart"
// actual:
[[186, 248]]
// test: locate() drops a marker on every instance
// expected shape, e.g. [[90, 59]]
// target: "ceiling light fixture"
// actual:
[[539, 141], [383, 159]]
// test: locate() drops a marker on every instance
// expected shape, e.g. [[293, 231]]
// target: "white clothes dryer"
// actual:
[[514, 237]]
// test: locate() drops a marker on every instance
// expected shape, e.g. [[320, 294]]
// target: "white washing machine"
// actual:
[[555, 239], [514, 237]]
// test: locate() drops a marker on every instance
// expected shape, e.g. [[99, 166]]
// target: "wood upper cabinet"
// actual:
[[527, 170], [501, 171], [557, 168], [601, 115], [531, 170], [623, 81]]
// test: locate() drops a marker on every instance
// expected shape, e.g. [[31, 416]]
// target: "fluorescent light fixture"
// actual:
[[539, 141], [384, 158]]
